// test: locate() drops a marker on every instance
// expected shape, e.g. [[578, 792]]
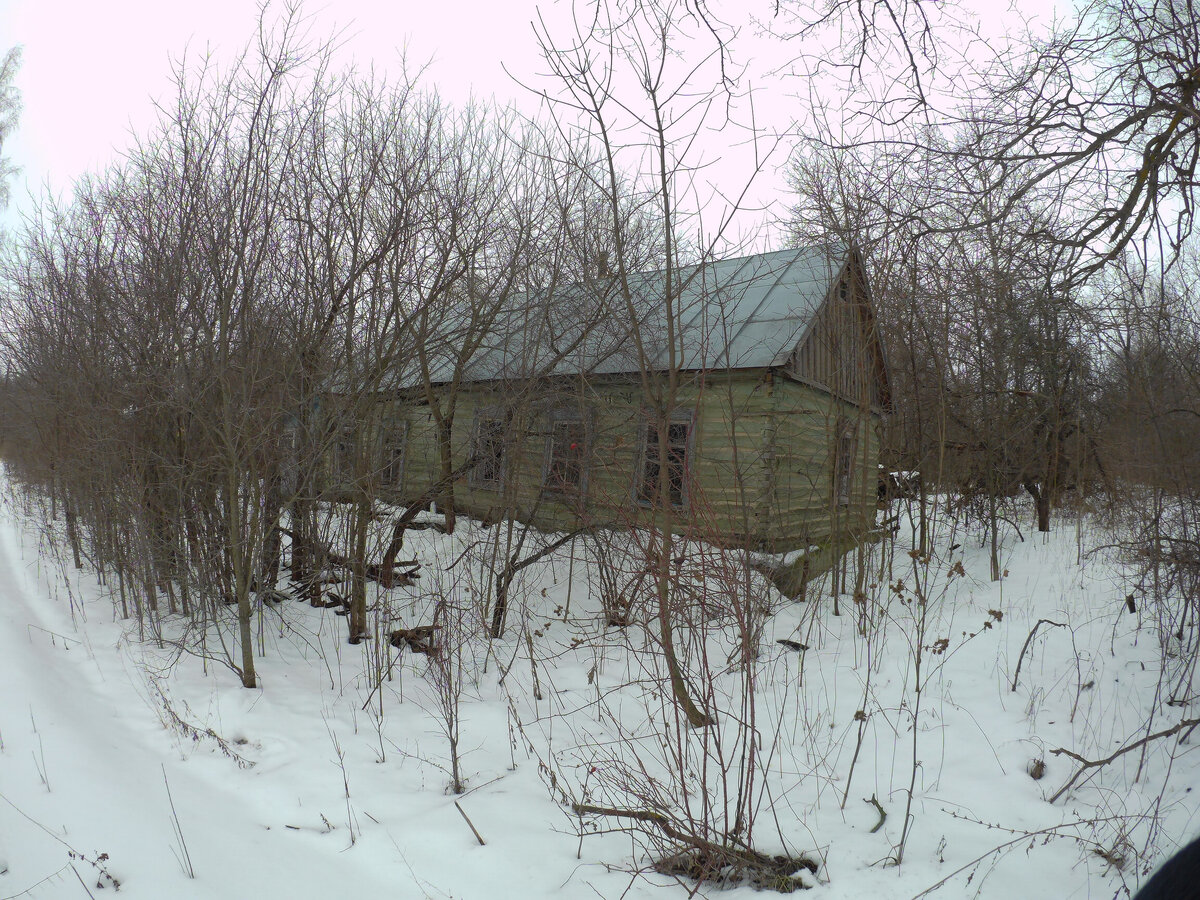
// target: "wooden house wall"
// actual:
[[804, 500], [728, 473], [761, 457]]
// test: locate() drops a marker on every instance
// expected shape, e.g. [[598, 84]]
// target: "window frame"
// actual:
[[581, 420], [487, 418], [685, 416], [394, 438], [345, 456], [845, 450]]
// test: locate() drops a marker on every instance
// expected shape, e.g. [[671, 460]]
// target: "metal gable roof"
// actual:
[[743, 313], [751, 312]]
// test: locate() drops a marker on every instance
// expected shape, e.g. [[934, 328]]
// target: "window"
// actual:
[[566, 449], [843, 463], [290, 475], [343, 456], [391, 462], [678, 436], [488, 451]]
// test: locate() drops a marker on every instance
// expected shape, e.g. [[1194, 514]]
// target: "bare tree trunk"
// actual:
[[445, 497], [358, 569]]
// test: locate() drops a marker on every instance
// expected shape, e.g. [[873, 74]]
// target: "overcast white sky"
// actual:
[[91, 70]]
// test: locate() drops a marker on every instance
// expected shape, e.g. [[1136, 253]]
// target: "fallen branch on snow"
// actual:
[[1086, 764], [712, 856], [1028, 641]]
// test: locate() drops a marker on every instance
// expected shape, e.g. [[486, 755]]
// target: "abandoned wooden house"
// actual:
[[771, 417]]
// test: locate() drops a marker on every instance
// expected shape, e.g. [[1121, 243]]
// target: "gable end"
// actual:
[[841, 351]]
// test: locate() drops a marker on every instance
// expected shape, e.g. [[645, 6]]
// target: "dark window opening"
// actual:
[[392, 464], [489, 452], [843, 466], [564, 467], [674, 466], [343, 456]]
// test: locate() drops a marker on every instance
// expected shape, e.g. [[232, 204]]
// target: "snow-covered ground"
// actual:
[[327, 782]]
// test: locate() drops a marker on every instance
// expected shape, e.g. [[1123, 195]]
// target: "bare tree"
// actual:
[[892, 49], [1105, 104], [10, 108], [622, 79]]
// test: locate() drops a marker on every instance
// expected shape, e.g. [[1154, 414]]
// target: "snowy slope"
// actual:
[[91, 720]]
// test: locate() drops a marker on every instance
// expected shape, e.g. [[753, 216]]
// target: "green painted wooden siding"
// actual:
[[760, 459], [806, 440]]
